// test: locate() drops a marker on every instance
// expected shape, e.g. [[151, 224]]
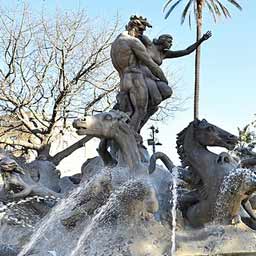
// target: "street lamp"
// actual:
[[153, 141]]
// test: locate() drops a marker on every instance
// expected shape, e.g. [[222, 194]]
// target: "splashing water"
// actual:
[[49, 220], [10, 205], [87, 230], [230, 185], [100, 218], [221, 202], [24, 221], [174, 205], [95, 220]]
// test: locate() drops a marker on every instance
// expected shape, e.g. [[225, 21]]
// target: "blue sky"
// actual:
[[228, 65]]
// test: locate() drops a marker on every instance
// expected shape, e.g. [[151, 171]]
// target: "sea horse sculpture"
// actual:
[[19, 182], [112, 125], [214, 172]]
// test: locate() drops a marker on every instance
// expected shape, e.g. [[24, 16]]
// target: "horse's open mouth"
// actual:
[[81, 131], [230, 145], [79, 124]]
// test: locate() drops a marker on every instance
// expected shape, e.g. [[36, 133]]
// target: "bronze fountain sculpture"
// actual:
[[122, 203]]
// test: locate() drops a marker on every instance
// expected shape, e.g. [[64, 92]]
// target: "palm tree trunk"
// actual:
[[197, 57]]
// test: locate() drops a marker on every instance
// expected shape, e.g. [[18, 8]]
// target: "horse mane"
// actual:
[[180, 145]]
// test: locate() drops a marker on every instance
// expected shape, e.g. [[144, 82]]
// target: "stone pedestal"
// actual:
[[217, 240]]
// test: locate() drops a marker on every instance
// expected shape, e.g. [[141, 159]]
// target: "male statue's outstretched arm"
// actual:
[[141, 53], [190, 49]]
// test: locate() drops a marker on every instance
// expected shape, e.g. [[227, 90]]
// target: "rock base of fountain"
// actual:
[[145, 237], [121, 219], [216, 240]]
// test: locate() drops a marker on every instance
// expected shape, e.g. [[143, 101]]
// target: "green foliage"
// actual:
[[247, 141]]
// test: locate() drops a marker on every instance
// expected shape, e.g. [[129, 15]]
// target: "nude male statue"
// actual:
[[128, 55]]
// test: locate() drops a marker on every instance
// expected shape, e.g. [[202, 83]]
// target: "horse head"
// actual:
[[8, 164], [102, 125], [208, 134]]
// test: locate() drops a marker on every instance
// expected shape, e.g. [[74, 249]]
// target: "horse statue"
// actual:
[[113, 126], [220, 184]]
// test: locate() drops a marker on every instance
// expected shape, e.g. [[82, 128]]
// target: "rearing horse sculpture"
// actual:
[[214, 172]]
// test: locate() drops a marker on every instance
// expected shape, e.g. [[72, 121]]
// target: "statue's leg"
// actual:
[[139, 98], [123, 103], [158, 91], [105, 155], [150, 112], [165, 89], [155, 97]]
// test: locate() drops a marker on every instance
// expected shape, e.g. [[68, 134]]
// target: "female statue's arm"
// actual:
[[187, 51]]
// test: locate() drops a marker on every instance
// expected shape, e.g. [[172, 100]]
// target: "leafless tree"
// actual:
[[50, 71]]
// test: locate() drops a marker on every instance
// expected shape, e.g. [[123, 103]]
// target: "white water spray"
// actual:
[[230, 185], [49, 220], [86, 232], [174, 205], [22, 220]]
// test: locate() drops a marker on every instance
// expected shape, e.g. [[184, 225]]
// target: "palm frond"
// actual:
[[215, 7], [224, 9], [184, 13], [166, 4], [195, 9], [172, 8], [236, 4], [211, 10], [189, 19]]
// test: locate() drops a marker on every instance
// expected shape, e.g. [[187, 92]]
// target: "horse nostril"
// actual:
[[75, 123], [232, 137]]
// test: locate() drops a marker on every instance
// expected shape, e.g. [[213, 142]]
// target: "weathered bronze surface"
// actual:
[[143, 85]]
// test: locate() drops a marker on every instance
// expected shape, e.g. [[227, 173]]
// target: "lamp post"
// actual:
[[153, 141]]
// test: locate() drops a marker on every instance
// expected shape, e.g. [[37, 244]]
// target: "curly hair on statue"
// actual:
[[138, 21]]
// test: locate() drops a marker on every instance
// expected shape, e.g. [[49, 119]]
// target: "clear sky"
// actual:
[[228, 63]]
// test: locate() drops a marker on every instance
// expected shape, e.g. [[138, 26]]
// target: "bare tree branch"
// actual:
[[56, 159], [51, 68]]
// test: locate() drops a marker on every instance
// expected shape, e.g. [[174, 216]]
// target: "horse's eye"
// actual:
[[108, 117], [210, 128]]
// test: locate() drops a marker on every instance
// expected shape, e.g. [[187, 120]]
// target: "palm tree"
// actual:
[[216, 8]]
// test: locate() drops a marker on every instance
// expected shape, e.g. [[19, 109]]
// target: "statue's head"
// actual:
[[164, 41], [208, 134], [7, 163], [137, 25], [102, 125]]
